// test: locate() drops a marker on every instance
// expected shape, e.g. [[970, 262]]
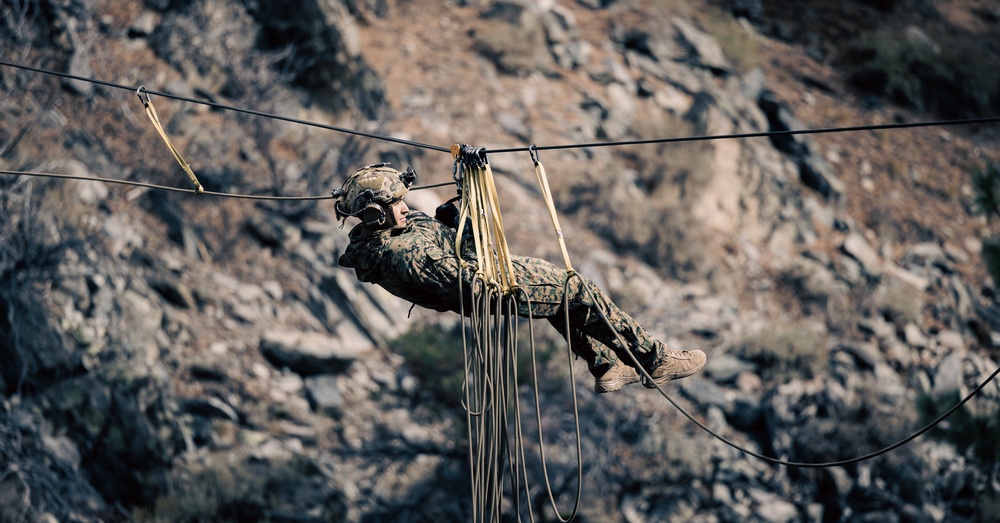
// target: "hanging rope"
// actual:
[[491, 349], [543, 185], [491, 357]]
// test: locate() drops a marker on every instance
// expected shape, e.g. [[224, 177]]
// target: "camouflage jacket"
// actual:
[[416, 262]]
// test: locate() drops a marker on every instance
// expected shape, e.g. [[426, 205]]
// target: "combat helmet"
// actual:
[[370, 189]]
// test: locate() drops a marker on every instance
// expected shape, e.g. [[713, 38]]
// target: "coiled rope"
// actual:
[[491, 375], [492, 355]]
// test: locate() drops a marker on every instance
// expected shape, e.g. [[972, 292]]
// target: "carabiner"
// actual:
[[139, 92]]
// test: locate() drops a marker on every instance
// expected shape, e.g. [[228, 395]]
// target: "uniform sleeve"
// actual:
[[424, 268], [438, 250]]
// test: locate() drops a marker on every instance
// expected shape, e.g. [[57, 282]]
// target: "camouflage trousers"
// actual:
[[588, 334]]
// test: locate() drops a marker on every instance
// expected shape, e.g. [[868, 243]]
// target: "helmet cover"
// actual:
[[376, 183]]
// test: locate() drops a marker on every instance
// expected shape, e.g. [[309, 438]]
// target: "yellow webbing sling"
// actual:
[[481, 203], [155, 118]]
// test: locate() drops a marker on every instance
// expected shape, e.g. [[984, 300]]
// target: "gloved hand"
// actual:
[[447, 214]]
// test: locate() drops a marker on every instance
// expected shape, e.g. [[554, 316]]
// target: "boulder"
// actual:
[[746, 414], [173, 291], [914, 336], [513, 37], [79, 65], [324, 394], [210, 407], [704, 393], [63, 450], [814, 171], [726, 367], [817, 174], [866, 355], [923, 254], [273, 230], [703, 50], [308, 353], [770, 508], [856, 246], [143, 25]]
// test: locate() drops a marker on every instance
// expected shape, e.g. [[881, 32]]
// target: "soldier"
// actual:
[[412, 256]]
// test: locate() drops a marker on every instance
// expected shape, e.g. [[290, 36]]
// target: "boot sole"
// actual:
[[603, 387], [663, 380]]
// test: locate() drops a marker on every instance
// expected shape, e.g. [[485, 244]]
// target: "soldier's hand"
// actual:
[[447, 214]]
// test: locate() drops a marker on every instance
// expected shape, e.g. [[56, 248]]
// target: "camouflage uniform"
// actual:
[[417, 262]]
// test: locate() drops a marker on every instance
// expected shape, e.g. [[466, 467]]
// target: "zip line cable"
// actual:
[[227, 107], [192, 191], [759, 134]]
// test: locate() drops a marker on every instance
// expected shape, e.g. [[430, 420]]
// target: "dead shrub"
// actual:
[[30, 251], [243, 490], [646, 207], [738, 45], [786, 352], [956, 80]]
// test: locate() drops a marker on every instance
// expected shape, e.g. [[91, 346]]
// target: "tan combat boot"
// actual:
[[676, 364], [615, 378]]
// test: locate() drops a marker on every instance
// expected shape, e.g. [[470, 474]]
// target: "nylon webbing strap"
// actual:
[[155, 118], [481, 203], [543, 184]]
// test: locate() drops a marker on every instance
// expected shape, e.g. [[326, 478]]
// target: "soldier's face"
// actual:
[[399, 212]]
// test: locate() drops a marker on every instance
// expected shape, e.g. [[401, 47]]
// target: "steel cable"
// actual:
[[760, 134]]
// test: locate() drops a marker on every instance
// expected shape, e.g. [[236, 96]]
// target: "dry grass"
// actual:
[[741, 48], [900, 301], [514, 39]]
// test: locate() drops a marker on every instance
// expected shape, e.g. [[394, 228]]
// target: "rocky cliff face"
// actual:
[[171, 358]]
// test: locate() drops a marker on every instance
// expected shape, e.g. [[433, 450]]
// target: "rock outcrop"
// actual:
[[173, 358]]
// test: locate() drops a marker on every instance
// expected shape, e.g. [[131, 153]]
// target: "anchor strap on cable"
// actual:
[[155, 118], [543, 184]]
